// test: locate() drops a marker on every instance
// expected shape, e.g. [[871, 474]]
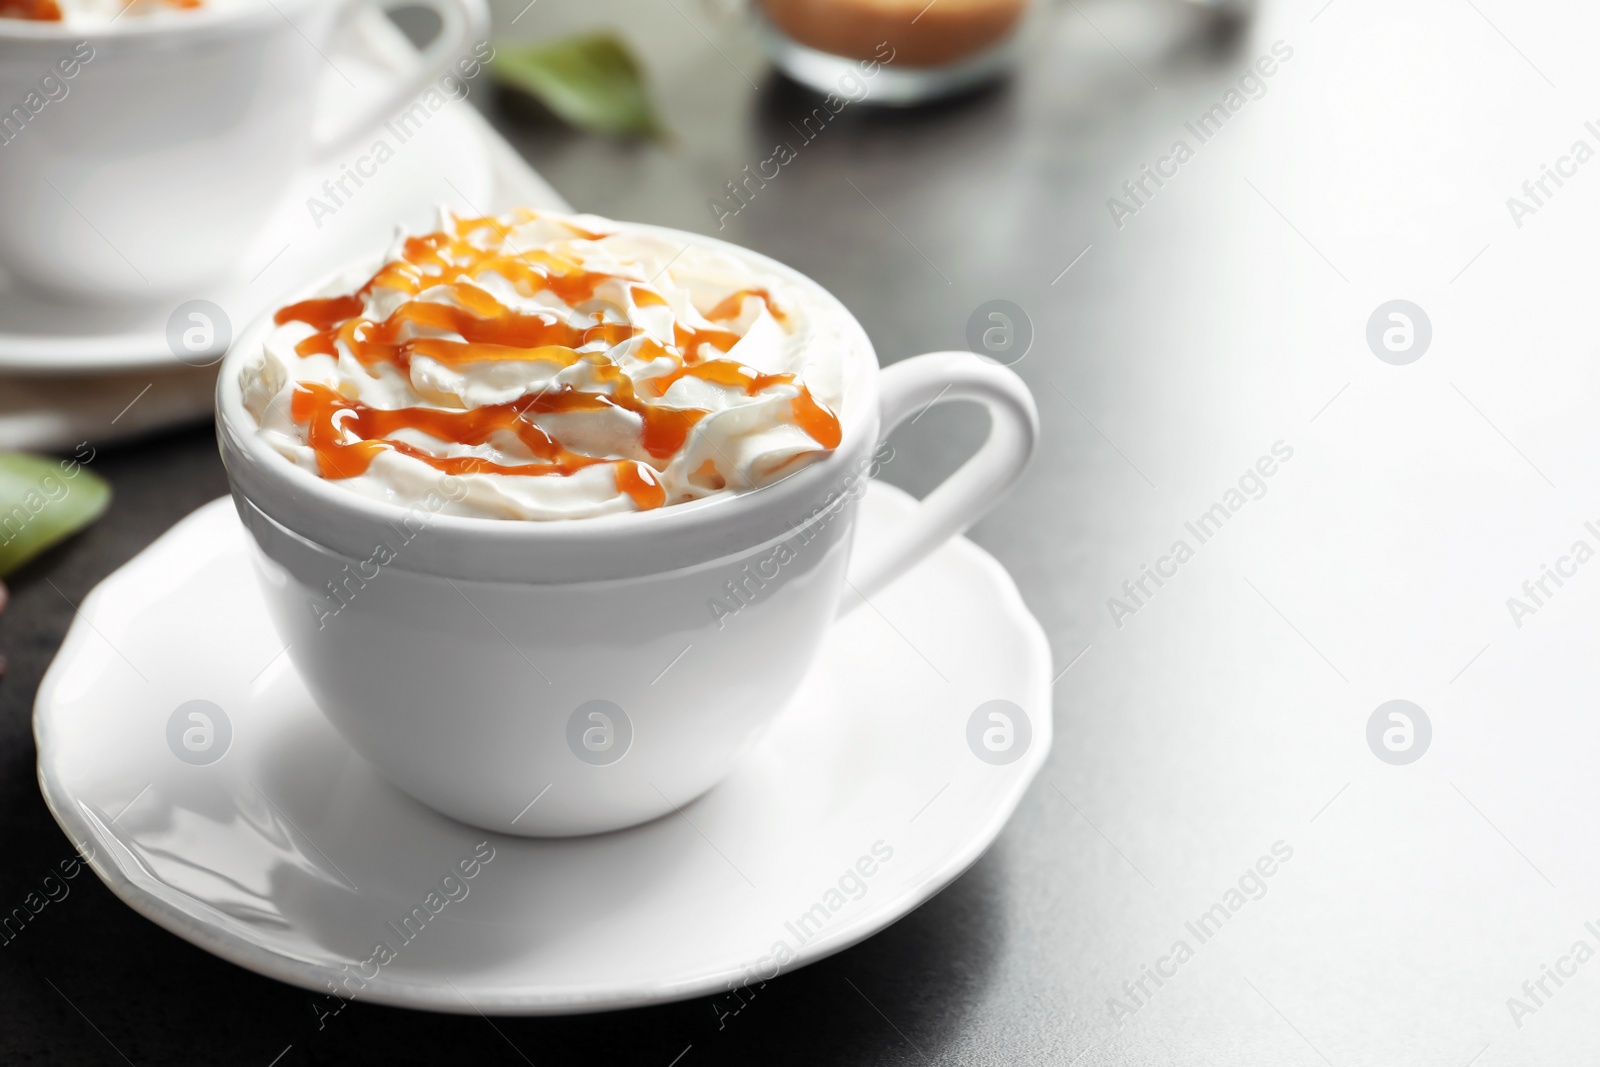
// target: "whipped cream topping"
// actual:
[[89, 13], [539, 366]]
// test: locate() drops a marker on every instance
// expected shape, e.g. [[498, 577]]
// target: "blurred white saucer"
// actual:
[[47, 350], [256, 833], [42, 412]]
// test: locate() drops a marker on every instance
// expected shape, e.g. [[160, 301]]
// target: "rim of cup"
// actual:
[[267, 468]]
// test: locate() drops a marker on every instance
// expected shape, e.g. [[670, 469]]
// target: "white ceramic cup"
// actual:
[[578, 666], [137, 159]]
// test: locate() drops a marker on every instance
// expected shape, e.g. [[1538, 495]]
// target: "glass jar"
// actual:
[[919, 50]]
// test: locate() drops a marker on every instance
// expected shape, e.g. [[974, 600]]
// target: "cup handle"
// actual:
[[912, 386], [461, 23]]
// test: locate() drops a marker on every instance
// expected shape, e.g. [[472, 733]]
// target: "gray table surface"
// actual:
[[1209, 722]]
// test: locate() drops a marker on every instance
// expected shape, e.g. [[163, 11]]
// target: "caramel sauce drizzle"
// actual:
[[492, 332], [37, 10]]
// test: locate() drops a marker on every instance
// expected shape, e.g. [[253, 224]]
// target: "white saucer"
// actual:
[[290, 857], [447, 160]]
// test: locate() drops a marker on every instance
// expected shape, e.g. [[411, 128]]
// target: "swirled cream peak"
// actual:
[[543, 367]]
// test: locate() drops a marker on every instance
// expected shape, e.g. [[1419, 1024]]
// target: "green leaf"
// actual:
[[592, 82], [41, 504]]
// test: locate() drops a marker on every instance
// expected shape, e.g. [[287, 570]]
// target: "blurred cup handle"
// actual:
[[462, 22], [911, 387]]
